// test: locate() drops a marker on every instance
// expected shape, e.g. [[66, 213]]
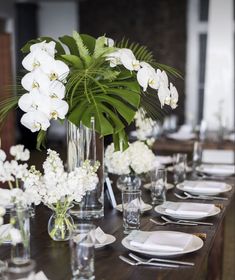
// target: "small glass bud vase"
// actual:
[[128, 181], [20, 235], [60, 225]]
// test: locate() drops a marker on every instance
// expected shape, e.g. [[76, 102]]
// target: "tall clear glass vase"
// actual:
[[20, 249], [84, 143]]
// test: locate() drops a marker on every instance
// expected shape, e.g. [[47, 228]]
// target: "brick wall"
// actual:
[[158, 24]]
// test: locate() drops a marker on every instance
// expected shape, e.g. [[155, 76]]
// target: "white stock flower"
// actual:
[[5, 197], [2, 155], [174, 96], [20, 153], [35, 121], [47, 47], [2, 211], [35, 59], [56, 70], [147, 76]]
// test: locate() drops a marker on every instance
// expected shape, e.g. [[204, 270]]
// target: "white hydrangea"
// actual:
[[137, 158]]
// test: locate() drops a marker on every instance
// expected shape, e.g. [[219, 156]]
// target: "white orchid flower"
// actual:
[[32, 101], [163, 78], [147, 76], [109, 42], [2, 155], [35, 121], [56, 70], [174, 96], [56, 90], [124, 57], [36, 59], [55, 108], [47, 47], [36, 80], [164, 95]]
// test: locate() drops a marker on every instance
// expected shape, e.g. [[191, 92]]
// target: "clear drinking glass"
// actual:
[[3, 270], [20, 271], [180, 164], [131, 209], [82, 244], [158, 185], [197, 153]]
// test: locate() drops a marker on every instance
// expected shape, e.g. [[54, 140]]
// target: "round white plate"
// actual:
[[146, 208], [222, 173], [193, 246], [171, 169], [199, 192], [162, 210], [109, 239], [168, 186]]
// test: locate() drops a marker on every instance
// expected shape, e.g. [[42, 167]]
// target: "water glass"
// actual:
[[197, 153], [131, 209], [180, 164], [158, 185], [82, 244], [3, 270], [20, 271]]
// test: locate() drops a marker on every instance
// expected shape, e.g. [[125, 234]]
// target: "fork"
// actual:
[[189, 196], [186, 221], [126, 260], [172, 222], [205, 196], [139, 259]]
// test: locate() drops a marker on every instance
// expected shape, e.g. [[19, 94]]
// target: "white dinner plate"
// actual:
[[181, 136], [171, 169], [216, 169], [162, 211], [168, 186], [109, 240], [201, 192], [193, 246], [147, 207]]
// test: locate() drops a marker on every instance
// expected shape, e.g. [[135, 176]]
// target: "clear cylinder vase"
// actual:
[[84, 143], [20, 235], [60, 226], [128, 181]]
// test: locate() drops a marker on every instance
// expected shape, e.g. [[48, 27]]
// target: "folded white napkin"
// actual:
[[218, 169], [160, 240], [218, 156], [188, 208], [100, 236], [137, 203], [204, 186]]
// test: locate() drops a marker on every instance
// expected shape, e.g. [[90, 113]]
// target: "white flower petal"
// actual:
[[47, 47], [56, 90], [59, 108], [163, 94], [109, 42], [174, 96], [143, 78], [56, 70], [36, 59], [36, 80], [2, 155], [35, 121]]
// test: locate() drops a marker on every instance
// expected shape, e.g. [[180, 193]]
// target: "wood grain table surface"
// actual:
[[54, 257]]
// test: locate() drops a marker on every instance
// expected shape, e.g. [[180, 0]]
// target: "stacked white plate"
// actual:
[[217, 169], [187, 210], [204, 187], [162, 243]]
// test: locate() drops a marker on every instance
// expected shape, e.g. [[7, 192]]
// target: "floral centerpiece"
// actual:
[[137, 159], [94, 78]]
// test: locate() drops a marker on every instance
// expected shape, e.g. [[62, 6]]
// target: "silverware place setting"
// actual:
[[173, 222], [183, 221], [203, 197]]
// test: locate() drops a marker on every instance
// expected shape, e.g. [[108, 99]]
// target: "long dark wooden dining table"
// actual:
[[54, 257]]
